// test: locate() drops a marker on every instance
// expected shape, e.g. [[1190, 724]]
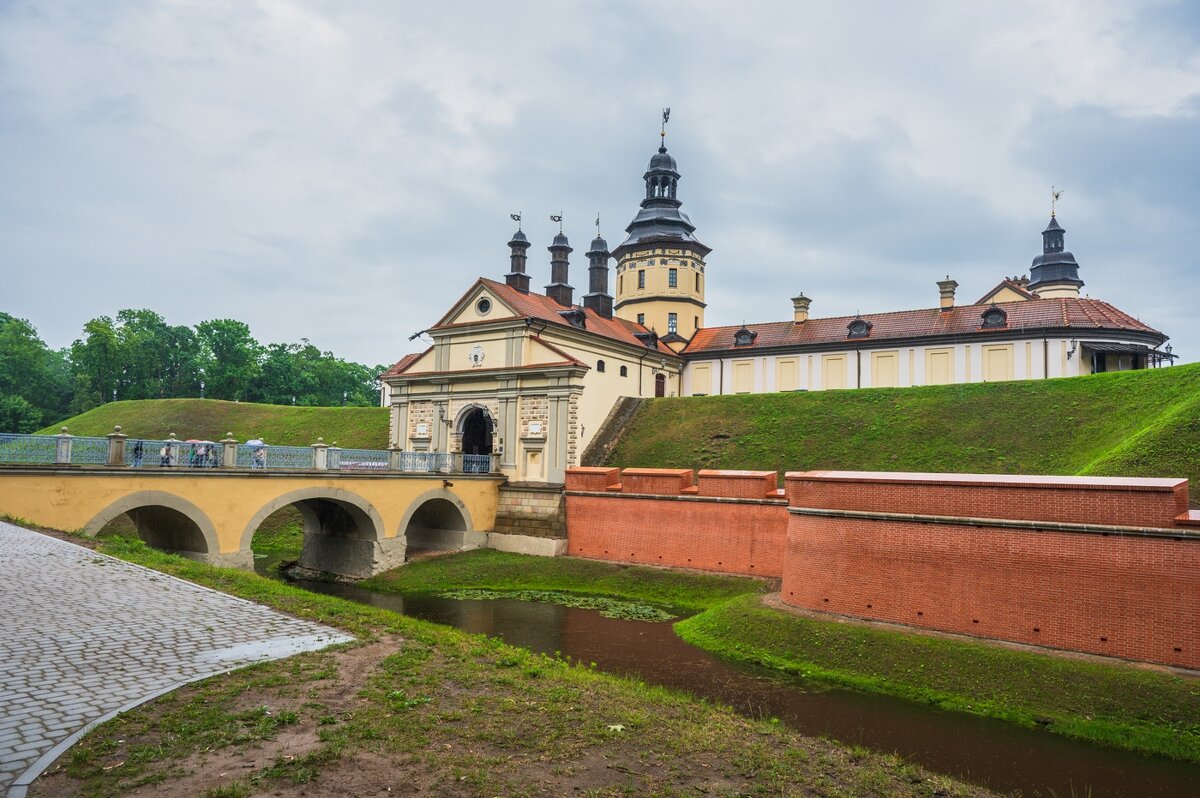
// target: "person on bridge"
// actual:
[[139, 452]]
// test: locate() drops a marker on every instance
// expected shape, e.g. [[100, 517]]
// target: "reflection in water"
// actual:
[[984, 751]]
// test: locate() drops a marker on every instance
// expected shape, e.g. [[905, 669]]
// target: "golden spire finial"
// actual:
[[1054, 195]]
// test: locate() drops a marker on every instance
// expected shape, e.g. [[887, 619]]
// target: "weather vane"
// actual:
[[558, 219], [597, 224], [1054, 195], [516, 217], [666, 118]]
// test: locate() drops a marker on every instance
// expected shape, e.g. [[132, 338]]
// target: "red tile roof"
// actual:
[[543, 308], [404, 363], [1063, 314]]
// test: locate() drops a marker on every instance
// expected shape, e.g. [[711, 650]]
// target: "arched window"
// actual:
[[624, 371], [599, 365]]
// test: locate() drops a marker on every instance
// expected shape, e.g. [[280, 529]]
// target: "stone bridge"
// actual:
[[355, 523]]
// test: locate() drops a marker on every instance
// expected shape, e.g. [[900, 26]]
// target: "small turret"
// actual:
[[598, 298], [517, 277], [1054, 273], [559, 290]]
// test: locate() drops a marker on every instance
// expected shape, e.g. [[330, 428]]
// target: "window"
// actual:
[[641, 278], [697, 281], [624, 371], [672, 278], [994, 317], [483, 306], [600, 365], [620, 283], [859, 328], [642, 319], [744, 337], [672, 322], [696, 322]]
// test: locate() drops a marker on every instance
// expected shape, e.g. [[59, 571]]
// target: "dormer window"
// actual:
[[994, 317], [744, 337], [649, 339], [575, 317], [859, 328]]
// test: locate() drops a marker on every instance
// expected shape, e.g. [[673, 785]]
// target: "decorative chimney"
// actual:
[[800, 308], [559, 290], [598, 298], [946, 289], [517, 277]]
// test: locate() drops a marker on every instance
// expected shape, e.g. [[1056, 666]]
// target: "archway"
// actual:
[[660, 384], [477, 431], [164, 521], [342, 532], [438, 521]]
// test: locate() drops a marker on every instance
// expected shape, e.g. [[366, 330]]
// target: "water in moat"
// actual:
[[999, 755]]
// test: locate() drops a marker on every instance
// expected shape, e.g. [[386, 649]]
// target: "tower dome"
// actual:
[[1054, 273]]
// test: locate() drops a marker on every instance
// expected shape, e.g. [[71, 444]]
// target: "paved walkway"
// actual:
[[84, 636]]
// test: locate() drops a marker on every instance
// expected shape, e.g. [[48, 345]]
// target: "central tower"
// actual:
[[660, 265]]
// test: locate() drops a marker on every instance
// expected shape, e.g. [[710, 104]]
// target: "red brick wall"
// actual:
[[1080, 500], [680, 529], [1127, 596]]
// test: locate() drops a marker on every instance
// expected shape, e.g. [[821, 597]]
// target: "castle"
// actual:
[[532, 377]]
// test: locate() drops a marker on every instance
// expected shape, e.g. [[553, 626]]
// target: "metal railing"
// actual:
[[117, 449], [358, 459], [15, 448]]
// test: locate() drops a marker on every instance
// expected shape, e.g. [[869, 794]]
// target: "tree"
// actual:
[[97, 356], [32, 372], [229, 357]]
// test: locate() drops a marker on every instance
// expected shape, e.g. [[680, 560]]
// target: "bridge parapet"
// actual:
[[119, 450]]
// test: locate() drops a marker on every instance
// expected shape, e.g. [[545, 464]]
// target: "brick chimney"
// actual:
[[800, 308], [946, 289]]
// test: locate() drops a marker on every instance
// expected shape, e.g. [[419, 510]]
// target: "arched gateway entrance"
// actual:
[[477, 431]]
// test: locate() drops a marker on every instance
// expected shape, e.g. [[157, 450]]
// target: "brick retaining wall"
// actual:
[[729, 521], [1101, 565]]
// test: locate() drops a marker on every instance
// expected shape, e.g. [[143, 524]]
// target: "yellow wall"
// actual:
[[833, 371], [997, 362], [939, 366], [659, 297], [701, 379], [743, 376], [885, 369], [787, 373]]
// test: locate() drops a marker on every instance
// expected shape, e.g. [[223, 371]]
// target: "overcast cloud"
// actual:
[[342, 171]]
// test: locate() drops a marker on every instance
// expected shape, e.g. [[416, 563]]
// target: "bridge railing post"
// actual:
[[229, 451], [320, 455], [456, 463], [62, 447], [116, 447], [495, 467], [394, 453], [172, 450], [333, 457]]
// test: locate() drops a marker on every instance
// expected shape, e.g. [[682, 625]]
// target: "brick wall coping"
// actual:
[[651, 472], [1008, 480], [667, 497], [723, 474], [1006, 523], [584, 470], [1190, 518]]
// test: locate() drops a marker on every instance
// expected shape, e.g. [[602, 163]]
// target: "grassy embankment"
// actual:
[[443, 712], [1134, 423], [210, 419], [1114, 705]]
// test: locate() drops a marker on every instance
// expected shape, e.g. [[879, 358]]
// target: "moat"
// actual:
[[985, 751]]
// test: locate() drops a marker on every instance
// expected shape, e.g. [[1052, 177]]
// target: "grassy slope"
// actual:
[[1125, 707], [210, 419], [459, 713], [495, 570], [1143, 423]]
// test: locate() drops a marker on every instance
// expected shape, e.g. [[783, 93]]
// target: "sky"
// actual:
[[343, 171]]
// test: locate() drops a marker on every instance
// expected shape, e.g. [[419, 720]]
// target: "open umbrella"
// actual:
[[255, 442]]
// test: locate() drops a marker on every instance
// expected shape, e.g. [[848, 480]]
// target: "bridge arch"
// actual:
[[343, 532], [438, 520], [164, 521]]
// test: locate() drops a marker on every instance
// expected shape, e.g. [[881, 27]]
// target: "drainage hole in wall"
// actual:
[[825, 600], [920, 613], [974, 620], [1037, 629], [1104, 640], [868, 606], [1178, 650]]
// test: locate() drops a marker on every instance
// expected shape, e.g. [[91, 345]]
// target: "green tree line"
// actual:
[[138, 355]]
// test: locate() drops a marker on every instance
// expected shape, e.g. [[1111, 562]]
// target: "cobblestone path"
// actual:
[[84, 636]]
